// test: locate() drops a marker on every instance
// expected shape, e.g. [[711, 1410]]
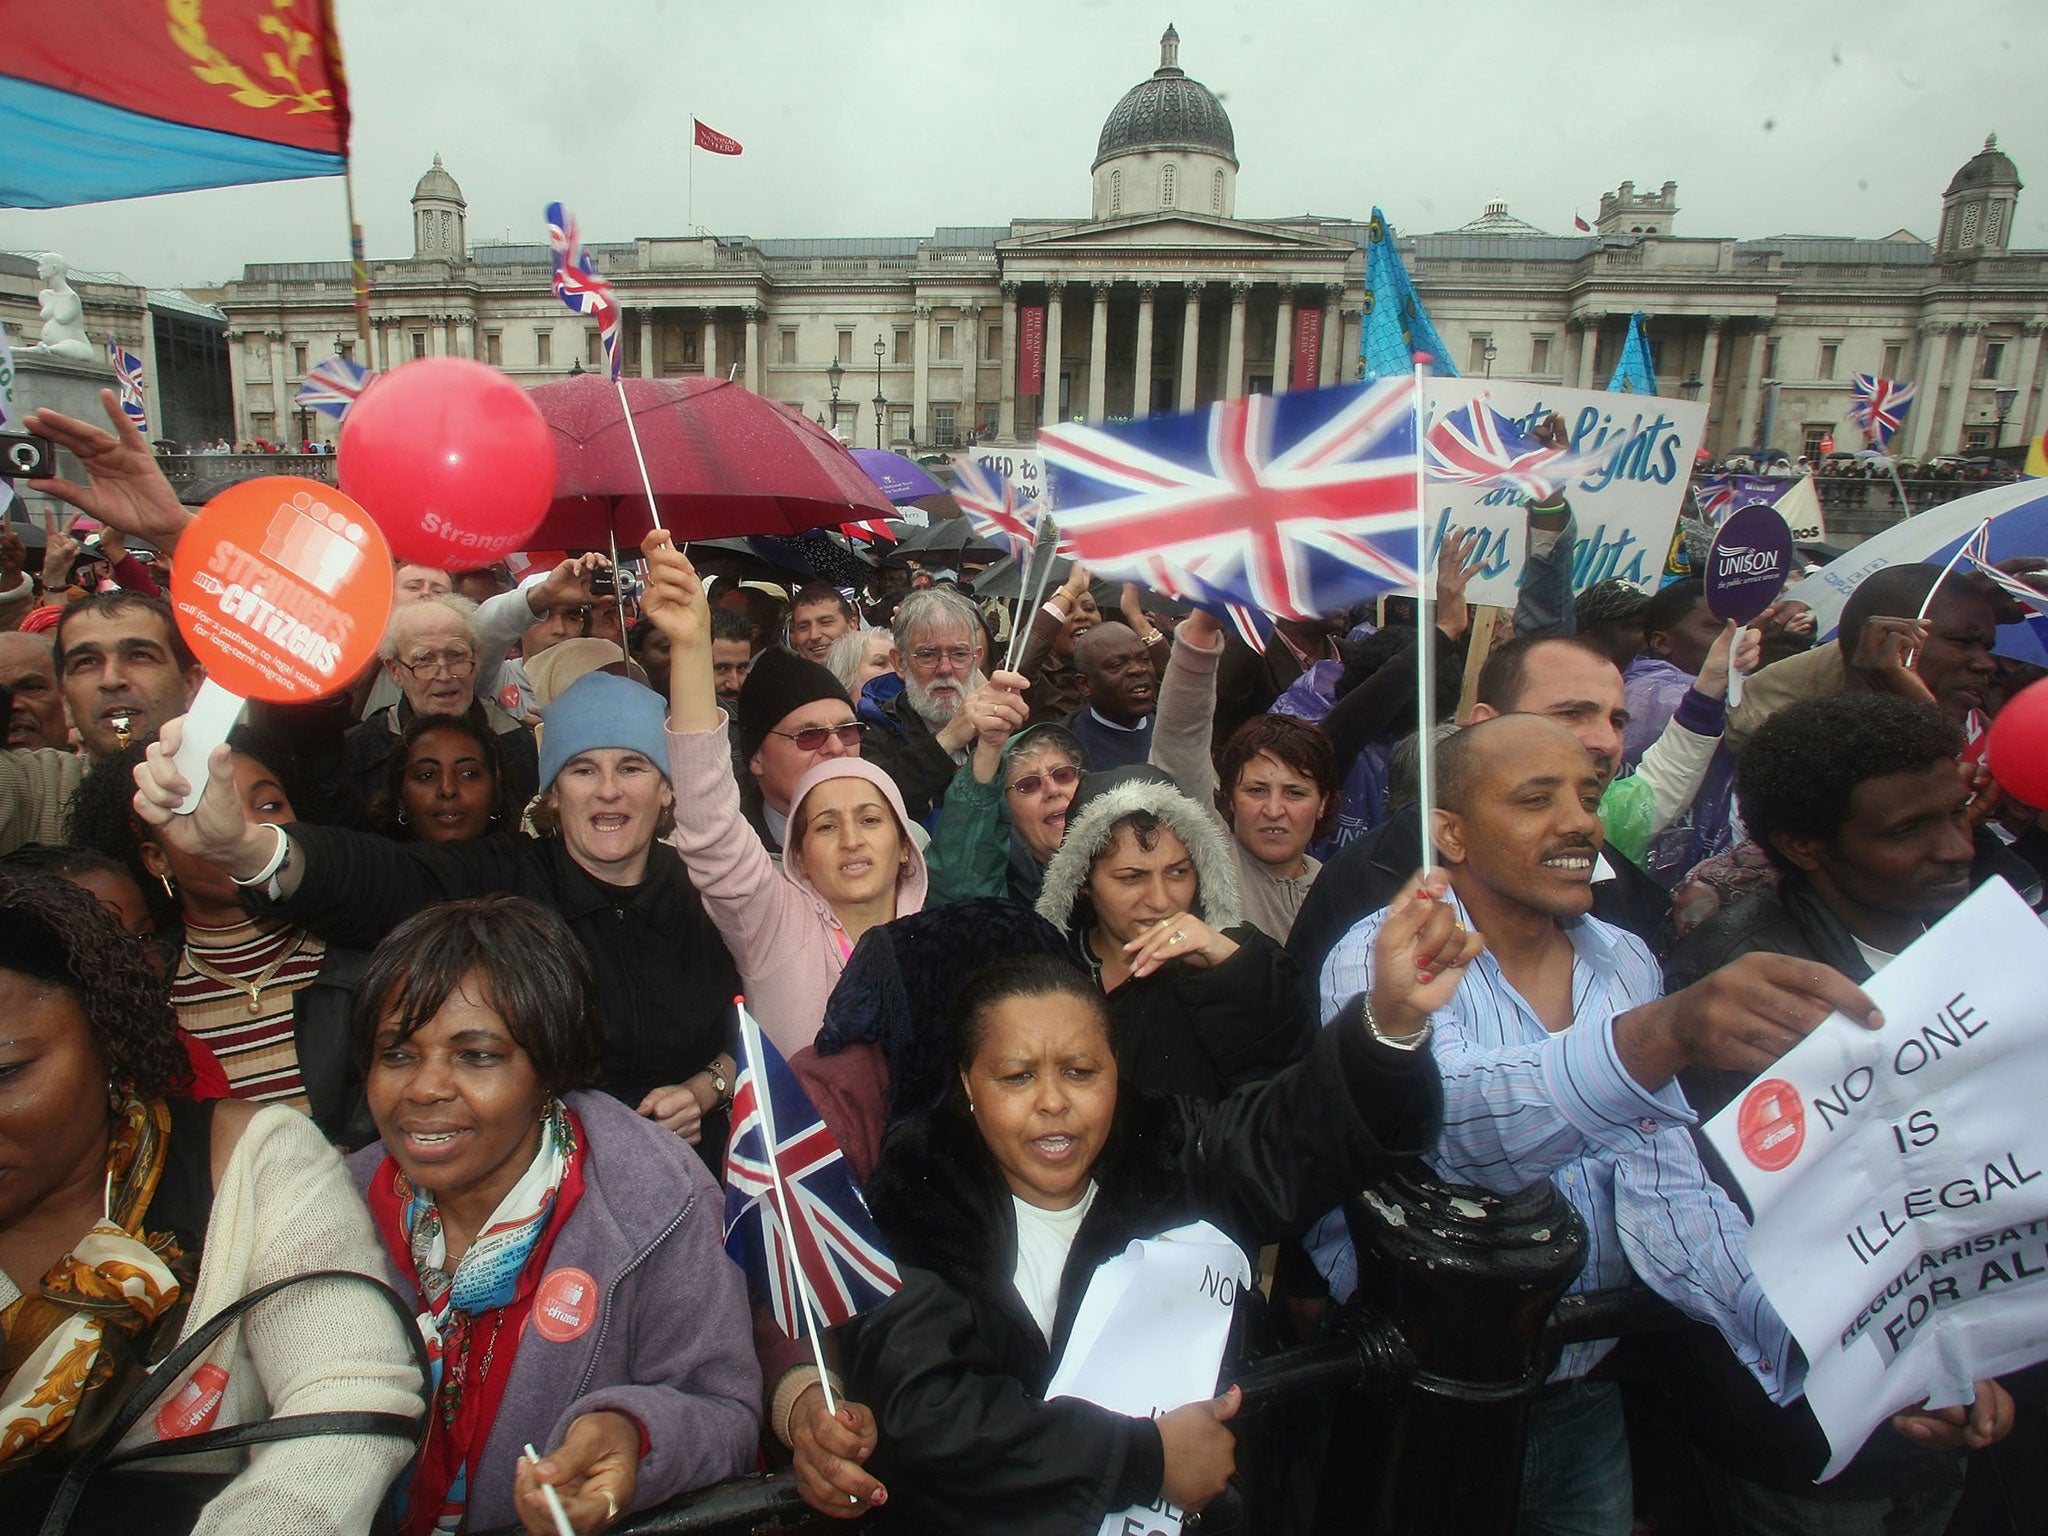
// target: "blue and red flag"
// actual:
[[796, 1223], [1878, 406], [1478, 446], [577, 285], [990, 502], [1293, 505], [126, 98], [333, 384], [128, 384]]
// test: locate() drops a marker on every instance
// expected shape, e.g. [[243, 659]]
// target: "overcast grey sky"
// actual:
[[891, 117]]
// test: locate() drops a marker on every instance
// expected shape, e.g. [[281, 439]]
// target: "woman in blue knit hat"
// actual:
[[664, 978]]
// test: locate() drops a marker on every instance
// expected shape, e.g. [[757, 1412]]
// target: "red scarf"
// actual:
[[476, 1354]]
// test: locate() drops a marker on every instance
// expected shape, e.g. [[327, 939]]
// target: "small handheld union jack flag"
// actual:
[[577, 285], [794, 1219], [1293, 505], [1476, 445], [1878, 406], [333, 384], [991, 504], [128, 382]]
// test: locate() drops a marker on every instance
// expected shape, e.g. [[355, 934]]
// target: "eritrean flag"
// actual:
[[102, 99]]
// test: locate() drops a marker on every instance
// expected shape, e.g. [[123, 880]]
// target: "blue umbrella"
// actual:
[[900, 479]]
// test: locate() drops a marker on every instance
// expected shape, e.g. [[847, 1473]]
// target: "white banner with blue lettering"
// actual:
[[1149, 1338], [1626, 509]]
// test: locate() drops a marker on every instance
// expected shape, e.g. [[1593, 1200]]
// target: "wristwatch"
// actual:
[[719, 1085]]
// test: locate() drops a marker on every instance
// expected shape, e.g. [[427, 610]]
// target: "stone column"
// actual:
[[1331, 368], [1098, 357], [1141, 386], [1233, 357], [1283, 340], [647, 342], [755, 315], [437, 335], [968, 350], [1006, 398], [1589, 347], [1191, 348], [1934, 363], [1955, 397], [238, 384], [920, 373], [280, 398], [1710, 359], [465, 337], [1055, 324], [1353, 328], [2024, 409], [709, 350], [1749, 404]]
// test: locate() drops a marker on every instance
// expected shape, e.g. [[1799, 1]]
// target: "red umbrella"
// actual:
[[723, 462]]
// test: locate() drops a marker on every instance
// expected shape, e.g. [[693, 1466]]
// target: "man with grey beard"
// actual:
[[922, 734]]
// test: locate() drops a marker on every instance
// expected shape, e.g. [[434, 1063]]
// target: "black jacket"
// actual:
[[327, 1066], [909, 753], [955, 1368], [665, 983]]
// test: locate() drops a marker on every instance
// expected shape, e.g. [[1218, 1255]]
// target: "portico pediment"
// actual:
[[1191, 233]]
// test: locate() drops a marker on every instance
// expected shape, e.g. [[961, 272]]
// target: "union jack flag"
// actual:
[[577, 285], [1292, 505], [798, 1224], [1976, 553], [991, 504], [1477, 445], [875, 530], [128, 382], [1879, 406], [333, 384]]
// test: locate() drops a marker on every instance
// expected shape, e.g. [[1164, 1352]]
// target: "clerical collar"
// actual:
[[1108, 724]]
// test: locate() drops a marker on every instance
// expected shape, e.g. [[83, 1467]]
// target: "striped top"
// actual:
[[255, 1048], [1522, 1104]]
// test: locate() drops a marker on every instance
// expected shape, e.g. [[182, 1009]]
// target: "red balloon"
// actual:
[[2017, 752], [452, 459]]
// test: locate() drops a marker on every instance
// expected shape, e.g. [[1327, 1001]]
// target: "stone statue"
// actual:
[[63, 314]]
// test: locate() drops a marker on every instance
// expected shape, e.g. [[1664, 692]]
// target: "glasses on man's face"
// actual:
[[962, 656], [456, 664], [1066, 776], [812, 737]]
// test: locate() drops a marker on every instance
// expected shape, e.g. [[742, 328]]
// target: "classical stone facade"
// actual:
[[1163, 298]]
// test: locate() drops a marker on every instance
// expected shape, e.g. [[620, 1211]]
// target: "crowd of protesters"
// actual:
[[434, 985]]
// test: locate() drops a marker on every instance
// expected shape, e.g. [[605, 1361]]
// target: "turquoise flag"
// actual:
[[1396, 325], [1635, 372]]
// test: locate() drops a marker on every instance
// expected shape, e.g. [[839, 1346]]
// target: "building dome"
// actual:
[[1989, 167], [1498, 221], [1168, 112], [438, 186]]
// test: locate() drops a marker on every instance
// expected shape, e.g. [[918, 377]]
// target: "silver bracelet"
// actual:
[[1408, 1042], [267, 877]]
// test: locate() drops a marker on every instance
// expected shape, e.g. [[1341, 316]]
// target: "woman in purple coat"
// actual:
[[565, 1254]]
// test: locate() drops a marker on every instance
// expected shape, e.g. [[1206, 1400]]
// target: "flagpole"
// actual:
[[358, 266], [646, 480], [1028, 616], [1425, 638], [750, 1043]]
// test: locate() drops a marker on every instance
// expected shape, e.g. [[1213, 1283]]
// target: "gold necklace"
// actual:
[[254, 987]]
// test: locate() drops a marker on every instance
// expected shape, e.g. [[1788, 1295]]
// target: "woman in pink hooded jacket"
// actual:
[[849, 863]]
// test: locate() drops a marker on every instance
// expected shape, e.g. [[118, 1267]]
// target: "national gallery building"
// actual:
[[1164, 297]]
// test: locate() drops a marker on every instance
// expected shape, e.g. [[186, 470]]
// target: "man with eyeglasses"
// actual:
[[430, 651], [922, 736], [790, 714]]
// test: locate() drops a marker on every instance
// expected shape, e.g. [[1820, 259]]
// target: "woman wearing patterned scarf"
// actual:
[[566, 1255], [127, 1218]]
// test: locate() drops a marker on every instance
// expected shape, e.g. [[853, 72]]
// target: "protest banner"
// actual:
[[1793, 498], [1626, 510], [1897, 1176], [1023, 468], [282, 588], [1149, 1338]]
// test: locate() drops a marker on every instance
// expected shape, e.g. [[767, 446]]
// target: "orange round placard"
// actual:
[[282, 587]]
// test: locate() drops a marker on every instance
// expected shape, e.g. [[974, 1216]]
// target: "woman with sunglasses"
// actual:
[[849, 863], [1005, 817]]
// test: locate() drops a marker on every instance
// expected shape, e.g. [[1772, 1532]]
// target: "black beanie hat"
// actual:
[[780, 682]]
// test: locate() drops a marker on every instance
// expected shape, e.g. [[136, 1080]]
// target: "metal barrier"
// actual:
[[1460, 1314]]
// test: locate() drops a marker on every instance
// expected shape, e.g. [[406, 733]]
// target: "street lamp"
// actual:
[[1690, 389], [833, 375], [2004, 399], [881, 399], [1490, 354]]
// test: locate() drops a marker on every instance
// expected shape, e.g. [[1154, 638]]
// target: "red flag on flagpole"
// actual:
[[713, 140], [1581, 225]]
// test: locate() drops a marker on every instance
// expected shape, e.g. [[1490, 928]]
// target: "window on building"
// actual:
[[593, 349], [299, 360], [1167, 184], [1116, 192], [1993, 221], [845, 348], [1216, 193], [1475, 353], [899, 424], [1994, 361], [1539, 354], [945, 344], [942, 426], [1810, 436], [788, 354], [995, 344], [901, 356], [1976, 437], [1894, 359], [348, 350], [494, 348], [986, 419], [1830, 357], [1770, 357], [419, 343], [1970, 225], [544, 346]]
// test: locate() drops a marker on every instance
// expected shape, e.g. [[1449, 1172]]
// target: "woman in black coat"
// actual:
[[1044, 1134]]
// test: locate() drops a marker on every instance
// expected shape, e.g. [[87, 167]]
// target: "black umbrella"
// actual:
[[950, 535]]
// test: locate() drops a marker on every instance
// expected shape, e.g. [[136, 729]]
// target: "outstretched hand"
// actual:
[[218, 829], [675, 601], [124, 487]]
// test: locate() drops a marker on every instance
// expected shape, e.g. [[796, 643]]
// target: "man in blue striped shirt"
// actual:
[[1558, 1054]]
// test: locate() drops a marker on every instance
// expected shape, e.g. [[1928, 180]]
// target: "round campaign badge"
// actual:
[[1748, 564], [195, 1405], [564, 1305], [282, 587], [1771, 1125]]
